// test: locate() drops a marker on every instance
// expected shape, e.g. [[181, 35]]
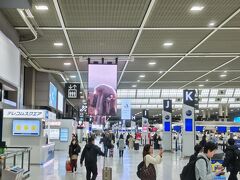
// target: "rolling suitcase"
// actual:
[[106, 172], [68, 166], [136, 146]]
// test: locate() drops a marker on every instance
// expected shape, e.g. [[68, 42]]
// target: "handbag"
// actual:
[[148, 172]]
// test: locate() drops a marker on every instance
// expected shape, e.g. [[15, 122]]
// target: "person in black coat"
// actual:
[[74, 150], [89, 154], [197, 148], [230, 159]]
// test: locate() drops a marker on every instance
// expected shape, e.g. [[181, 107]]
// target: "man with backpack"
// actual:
[[200, 169], [89, 154], [231, 160]]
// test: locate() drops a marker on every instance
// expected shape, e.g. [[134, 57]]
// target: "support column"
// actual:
[[208, 114], [220, 112], [204, 114], [167, 125], [188, 122], [2, 144], [226, 113]]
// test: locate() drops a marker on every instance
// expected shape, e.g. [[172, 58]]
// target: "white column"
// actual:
[[226, 113]]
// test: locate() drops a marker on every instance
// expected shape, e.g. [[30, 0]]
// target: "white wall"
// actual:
[[9, 61]]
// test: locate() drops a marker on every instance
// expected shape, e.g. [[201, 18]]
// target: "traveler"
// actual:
[[89, 154], [74, 150], [148, 171], [203, 168], [230, 159], [131, 142], [128, 136], [121, 145], [197, 148], [203, 141], [106, 143]]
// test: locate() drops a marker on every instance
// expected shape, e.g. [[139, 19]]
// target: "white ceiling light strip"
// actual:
[[150, 7], [199, 44], [68, 41]]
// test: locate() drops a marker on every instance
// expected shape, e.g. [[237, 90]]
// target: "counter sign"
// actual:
[[72, 90]]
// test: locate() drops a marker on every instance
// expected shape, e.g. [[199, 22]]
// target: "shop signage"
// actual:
[[19, 113], [72, 90]]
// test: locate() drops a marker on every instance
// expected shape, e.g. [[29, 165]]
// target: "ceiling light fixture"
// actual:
[[225, 71], [58, 44], [142, 76], [201, 85], [223, 75], [160, 72], [197, 8], [211, 24], [73, 76], [134, 86], [206, 80], [168, 44], [67, 64], [152, 63], [138, 80], [41, 7]]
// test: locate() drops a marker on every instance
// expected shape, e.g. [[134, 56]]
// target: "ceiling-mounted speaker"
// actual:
[[221, 92], [237, 99]]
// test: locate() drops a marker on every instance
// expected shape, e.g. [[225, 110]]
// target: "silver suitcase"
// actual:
[[106, 172]]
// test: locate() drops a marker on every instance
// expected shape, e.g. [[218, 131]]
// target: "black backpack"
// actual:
[[188, 172], [89, 156], [139, 168], [237, 162]]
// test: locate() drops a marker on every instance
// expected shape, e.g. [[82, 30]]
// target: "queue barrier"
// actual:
[[15, 162]]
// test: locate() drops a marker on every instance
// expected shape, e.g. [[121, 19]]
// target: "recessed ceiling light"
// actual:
[[211, 24], [41, 7], [58, 44], [67, 64], [197, 8], [152, 63], [223, 75], [138, 80], [160, 72], [225, 71], [134, 86], [168, 44], [67, 79], [206, 80], [72, 76], [201, 85], [142, 76]]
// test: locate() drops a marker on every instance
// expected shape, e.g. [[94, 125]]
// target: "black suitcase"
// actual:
[[136, 146]]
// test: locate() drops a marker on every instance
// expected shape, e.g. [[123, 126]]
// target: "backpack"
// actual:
[[145, 172], [139, 167], [188, 172], [237, 162], [89, 156]]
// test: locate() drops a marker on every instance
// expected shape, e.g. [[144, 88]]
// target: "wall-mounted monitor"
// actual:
[[221, 129], [188, 125], [167, 126], [52, 96], [25, 127], [236, 119], [234, 129], [199, 128], [64, 134], [60, 102], [52, 133]]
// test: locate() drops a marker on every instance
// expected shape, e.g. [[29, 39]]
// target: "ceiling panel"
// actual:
[[234, 65], [230, 85], [102, 42], [195, 85], [141, 64], [223, 41], [234, 22], [103, 13], [44, 44], [56, 64], [129, 85], [200, 63], [151, 41], [171, 13], [13, 17], [83, 65], [167, 85], [181, 76], [134, 76], [215, 76], [45, 18]]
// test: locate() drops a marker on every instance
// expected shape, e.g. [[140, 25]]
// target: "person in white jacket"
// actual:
[[150, 159]]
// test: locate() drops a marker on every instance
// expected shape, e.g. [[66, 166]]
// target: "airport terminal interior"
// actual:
[[120, 74]]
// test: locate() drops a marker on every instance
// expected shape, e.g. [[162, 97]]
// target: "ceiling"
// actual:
[[134, 31]]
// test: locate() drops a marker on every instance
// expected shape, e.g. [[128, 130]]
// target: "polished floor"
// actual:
[[123, 169]]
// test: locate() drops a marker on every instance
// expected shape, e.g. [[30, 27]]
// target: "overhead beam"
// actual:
[[196, 46]]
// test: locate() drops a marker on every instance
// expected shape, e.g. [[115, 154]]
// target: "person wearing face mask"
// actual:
[[203, 169], [74, 150]]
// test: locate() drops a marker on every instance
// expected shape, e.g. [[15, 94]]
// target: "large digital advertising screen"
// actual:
[[52, 95], [102, 95], [60, 101], [25, 127]]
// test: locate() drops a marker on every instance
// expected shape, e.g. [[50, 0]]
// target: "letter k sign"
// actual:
[[188, 96]]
